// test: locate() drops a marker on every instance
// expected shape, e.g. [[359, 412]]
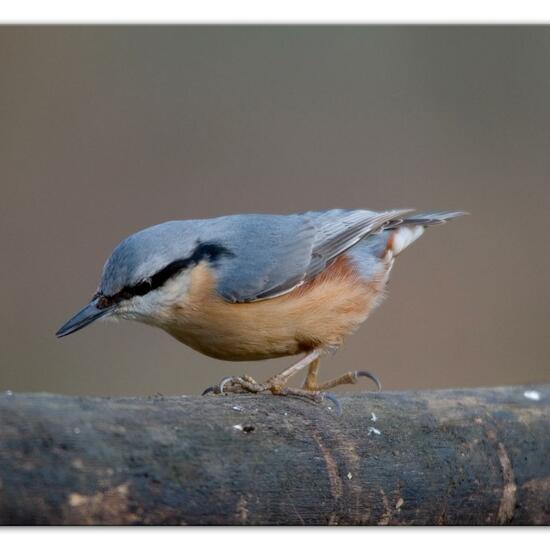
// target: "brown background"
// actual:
[[108, 130]]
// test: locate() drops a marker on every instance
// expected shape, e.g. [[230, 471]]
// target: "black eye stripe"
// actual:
[[204, 251], [159, 278]]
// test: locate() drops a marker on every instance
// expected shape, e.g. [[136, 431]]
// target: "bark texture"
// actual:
[[473, 457]]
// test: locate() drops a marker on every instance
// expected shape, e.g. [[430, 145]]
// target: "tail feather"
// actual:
[[432, 218], [405, 231]]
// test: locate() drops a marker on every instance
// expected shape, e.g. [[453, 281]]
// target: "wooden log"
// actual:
[[473, 457]]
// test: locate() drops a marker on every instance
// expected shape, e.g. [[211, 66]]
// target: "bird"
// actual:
[[248, 287]]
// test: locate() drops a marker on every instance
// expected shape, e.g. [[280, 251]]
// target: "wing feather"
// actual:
[[283, 252], [338, 231]]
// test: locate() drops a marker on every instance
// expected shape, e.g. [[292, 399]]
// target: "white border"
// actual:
[[272, 538], [282, 11], [274, 11]]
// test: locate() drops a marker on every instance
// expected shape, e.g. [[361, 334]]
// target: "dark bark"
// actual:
[[471, 457]]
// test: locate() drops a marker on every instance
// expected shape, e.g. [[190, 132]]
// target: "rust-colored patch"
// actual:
[[339, 269], [318, 314], [389, 245], [103, 302]]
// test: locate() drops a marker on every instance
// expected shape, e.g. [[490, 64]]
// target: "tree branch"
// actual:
[[477, 456]]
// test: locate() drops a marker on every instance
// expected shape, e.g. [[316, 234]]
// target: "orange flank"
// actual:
[[319, 313]]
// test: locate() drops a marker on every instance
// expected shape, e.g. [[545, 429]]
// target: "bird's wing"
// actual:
[[278, 253]]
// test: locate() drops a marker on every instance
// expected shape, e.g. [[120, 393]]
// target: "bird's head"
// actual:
[[146, 273]]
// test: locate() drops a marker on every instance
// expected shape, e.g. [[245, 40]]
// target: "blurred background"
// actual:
[[107, 130]]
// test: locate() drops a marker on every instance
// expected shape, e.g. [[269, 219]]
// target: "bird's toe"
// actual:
[[235, 384], [370, 376]]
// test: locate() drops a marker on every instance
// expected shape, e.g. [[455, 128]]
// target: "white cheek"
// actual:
[[154, 305]]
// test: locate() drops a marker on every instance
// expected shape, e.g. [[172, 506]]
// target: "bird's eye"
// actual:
[[103, 302], [142, 288]]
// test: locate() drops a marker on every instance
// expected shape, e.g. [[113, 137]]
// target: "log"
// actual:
[[448, 457]]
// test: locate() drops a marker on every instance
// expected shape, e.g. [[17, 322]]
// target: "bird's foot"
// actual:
[[348, 378], [275, 385], [236, 384]]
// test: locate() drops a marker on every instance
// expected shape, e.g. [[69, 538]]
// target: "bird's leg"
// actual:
[[311, 378], [276, 384]]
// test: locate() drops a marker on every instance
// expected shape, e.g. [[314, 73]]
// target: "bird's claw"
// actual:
[[370, 376], [334, 399]]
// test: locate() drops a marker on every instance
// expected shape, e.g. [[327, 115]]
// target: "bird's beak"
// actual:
[[84, 317]]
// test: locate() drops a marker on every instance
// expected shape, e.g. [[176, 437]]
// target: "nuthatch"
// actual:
[[253, 286]]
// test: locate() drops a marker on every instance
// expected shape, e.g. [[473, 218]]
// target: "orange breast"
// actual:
[[320, 313]]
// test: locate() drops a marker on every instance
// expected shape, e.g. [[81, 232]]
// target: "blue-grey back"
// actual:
[[267, 254], [254, 240]]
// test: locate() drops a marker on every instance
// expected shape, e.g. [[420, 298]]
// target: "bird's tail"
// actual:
[[403, 232], [431, 218]]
